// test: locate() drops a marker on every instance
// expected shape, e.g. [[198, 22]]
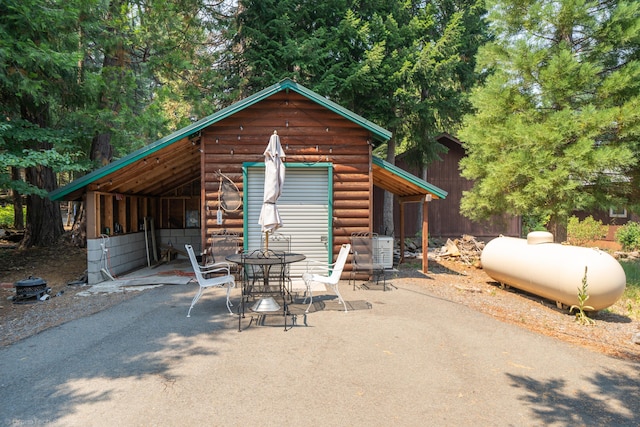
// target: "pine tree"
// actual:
[[38, 76], [80, 77], [556, 124]]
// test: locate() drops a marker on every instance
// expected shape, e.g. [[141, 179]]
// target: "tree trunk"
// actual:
[[44, 220], [18, 215], [79, 228], [101, 149], [387, 212], [558, 227]]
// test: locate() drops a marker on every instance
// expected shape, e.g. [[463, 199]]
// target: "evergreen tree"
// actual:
[[38, 79], [405, 65], [556, 124], [92, 79]]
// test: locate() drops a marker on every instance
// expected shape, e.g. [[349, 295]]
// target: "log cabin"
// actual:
[[170, 192]]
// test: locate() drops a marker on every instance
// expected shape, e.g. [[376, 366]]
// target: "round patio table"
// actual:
[[265, 260]]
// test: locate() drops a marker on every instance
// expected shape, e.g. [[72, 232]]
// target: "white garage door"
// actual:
[[304, 209]]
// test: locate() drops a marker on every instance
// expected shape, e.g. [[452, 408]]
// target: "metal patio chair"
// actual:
[[224, 244], [279, 244], [255, 264], [221, 277], [331, 275], [363, 259]]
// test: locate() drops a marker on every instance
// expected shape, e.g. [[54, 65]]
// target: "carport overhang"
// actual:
[[406, 186], [409, 189], [159, 169]]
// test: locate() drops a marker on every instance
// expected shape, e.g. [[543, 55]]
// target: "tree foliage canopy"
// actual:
[[38, 78], [405, 65], [556, 125], [123, 72], [135, 69]]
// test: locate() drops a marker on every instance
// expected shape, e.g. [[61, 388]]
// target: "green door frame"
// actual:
[[245, 184]]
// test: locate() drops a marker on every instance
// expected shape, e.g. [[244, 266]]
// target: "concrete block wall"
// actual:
[[179, 237], [117, 254], [127, 252]]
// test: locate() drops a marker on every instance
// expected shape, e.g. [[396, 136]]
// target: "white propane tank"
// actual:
[[554, 271]]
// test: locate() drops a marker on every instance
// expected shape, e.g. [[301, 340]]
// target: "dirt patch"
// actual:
[[612, 333], [57, 266], [448, 279]]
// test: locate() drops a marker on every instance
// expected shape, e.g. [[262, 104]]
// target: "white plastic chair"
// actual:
[[331, 276], [219, 281]]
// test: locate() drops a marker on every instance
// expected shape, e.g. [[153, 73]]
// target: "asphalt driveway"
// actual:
[[402, 357]]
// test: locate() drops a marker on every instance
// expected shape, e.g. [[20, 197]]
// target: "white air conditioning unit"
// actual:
[[383, 251]]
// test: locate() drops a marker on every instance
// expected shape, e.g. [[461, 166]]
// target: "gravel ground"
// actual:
[[454, 281], [57, 266]]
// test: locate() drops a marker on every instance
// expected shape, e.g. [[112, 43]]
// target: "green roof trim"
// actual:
[[286, 84], [442, 194]]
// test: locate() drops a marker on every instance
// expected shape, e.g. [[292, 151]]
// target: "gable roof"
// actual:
[[74, 190], [178, 159]]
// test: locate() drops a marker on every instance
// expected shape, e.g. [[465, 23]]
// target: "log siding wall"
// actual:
[[309, 133]]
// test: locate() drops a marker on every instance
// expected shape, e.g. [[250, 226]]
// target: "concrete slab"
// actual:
[[176, 272]]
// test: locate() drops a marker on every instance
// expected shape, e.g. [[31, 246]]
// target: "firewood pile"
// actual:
[[627, 256], [466, 249]]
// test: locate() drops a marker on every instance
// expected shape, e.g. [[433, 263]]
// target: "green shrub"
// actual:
[[6, 216], [531, 222], [629, 236], [587, 230]]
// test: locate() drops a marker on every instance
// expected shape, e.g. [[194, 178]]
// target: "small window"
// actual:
[[617, 213], [193, 219]]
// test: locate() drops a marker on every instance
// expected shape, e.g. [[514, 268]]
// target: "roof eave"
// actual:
[[429, 188]]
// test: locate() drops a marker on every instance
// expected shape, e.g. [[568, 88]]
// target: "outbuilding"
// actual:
[[172, 191], [445, 219]]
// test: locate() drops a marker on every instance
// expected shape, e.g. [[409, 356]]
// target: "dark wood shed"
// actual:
[[445, 220], [171, 188]]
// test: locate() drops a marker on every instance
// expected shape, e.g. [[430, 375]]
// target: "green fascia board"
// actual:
[[286, 84], [410, 177]]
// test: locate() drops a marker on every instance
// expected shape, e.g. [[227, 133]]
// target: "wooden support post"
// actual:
[[402, 235], [133, 215], [92, 209], [108, 215], [122, 212], [425, 235]]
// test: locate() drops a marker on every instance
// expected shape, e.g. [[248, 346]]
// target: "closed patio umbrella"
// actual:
[[273, 183]]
